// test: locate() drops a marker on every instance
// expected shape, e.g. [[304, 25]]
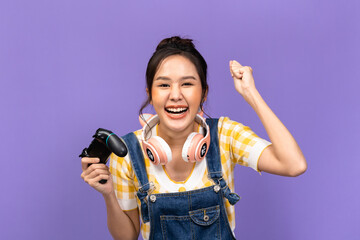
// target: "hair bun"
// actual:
[[184, 44]]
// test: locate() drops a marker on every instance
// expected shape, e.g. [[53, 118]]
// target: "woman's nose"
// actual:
[[175, 93]]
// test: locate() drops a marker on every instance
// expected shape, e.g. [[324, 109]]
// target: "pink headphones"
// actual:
[[159, 152]]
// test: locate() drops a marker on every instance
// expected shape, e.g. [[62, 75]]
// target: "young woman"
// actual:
[[188, 195]]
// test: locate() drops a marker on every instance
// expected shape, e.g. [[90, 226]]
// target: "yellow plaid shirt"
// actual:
[[238, 145]]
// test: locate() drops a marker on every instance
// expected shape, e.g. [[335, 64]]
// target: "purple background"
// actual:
[[69, 67]]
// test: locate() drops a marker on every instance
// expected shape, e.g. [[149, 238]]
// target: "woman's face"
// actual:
[[176, 93]]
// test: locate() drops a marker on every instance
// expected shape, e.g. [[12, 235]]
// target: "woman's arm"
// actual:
[[121, 224], [284, 156]]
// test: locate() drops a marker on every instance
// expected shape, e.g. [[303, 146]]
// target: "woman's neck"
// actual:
[[177, 169], [176, 139]]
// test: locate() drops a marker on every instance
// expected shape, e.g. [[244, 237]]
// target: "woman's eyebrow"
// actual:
[[162, 78], [182, 78], [188, 77]]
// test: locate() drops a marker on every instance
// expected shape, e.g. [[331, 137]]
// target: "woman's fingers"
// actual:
[[95, 181], [242, 75], [96, 172], [234, 63], [85, 161], [236, 69], [94, 167]]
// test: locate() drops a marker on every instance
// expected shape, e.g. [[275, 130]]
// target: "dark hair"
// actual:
[[175, 46]]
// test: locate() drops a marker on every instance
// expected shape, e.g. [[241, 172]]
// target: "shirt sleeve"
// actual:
[[123, 178], [244, 145]]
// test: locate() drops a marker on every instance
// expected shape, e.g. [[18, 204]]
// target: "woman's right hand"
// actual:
[[94, 173]]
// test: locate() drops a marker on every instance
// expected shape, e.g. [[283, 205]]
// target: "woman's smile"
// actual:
[[176, 112]]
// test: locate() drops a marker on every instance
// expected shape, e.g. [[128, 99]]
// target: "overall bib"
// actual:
[[196, 214]]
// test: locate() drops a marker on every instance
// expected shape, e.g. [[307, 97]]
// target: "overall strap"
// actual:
[[213, 160], [138, 164]]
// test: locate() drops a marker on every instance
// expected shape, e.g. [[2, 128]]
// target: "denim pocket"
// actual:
[[205, 216], [203, 223]]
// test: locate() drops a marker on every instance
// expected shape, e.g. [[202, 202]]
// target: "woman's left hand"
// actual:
[[243, 78]]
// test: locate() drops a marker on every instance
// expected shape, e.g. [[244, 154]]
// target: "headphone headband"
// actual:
[[159, 152], [151, 122]]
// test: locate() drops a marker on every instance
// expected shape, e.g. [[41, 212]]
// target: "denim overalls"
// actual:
[[197, 214]]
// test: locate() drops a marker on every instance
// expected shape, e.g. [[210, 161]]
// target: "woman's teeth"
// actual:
[[175, 110]]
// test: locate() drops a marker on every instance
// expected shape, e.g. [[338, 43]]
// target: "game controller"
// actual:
[[104, 143]]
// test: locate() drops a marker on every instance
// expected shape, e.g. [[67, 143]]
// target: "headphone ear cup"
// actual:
[[162, 150], [190, 147], [151, 152]]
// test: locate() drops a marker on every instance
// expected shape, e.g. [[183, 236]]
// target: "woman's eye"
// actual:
[[163, 85], [188, 84]]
